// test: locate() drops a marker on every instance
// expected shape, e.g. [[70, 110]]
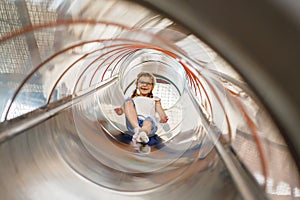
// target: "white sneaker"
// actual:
[[137, 147], [137, 137], [134, 138], [143, 137], [145, 149], [136, 130]]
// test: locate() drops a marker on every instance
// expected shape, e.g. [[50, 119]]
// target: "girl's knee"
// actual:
[[129, 102], [147, 123]]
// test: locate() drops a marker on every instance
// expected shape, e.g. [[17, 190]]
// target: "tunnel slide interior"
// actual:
[[66, 64]]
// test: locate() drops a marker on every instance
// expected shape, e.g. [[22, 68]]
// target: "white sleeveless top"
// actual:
[[145, 106]]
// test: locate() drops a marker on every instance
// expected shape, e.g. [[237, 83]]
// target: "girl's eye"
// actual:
[[144, 83]]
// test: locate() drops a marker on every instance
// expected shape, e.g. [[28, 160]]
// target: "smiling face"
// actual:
[[145, 85]]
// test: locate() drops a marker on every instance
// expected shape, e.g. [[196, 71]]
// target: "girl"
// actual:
[[141, 108]]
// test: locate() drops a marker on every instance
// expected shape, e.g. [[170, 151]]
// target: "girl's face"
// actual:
[[144, 85]]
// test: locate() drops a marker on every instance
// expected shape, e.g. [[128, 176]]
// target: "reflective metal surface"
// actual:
[[72, 156], [66, 64]]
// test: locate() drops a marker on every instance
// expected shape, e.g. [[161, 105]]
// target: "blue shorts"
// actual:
[[141, 121]]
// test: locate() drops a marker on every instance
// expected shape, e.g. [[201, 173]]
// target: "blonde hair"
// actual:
[[144, 74]]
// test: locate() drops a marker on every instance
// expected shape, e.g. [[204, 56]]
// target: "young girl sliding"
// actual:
[[141, 108]]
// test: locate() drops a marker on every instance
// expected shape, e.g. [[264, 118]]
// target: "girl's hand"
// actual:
[[164, 120], [119, 111]]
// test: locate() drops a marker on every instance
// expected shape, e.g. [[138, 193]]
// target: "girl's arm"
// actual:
[[158, 108]]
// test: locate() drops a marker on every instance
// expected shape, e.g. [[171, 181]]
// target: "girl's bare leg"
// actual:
[[147, 127], [130, 113], [140, 135]]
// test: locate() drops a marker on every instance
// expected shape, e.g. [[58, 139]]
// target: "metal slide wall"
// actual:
[[65, 66], [72, 156]]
